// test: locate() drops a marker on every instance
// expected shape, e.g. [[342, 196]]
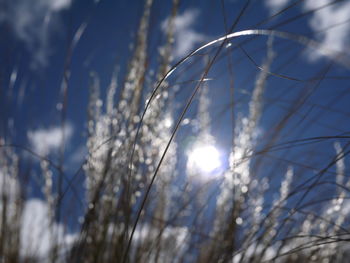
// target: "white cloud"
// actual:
[[44, 141], [275, 5], [336, 38], [32, 21], [59, 4], [334, 35], [185, 36], [37, 233]]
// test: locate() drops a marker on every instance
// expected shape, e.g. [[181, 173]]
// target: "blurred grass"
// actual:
[[279, 195]]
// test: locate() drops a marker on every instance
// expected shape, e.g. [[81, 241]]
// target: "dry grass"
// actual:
[[281, 195]]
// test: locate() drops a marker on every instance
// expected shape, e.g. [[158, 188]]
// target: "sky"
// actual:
[[37, 34], [44, 39]]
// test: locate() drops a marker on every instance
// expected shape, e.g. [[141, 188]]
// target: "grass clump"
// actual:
[[172, 174]]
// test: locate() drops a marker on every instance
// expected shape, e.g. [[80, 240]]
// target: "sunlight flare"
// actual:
[[204, 158]]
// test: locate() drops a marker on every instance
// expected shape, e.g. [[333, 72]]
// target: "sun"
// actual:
[[204, 158]]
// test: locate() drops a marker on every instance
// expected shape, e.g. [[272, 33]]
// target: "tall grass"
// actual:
[[173, 175]]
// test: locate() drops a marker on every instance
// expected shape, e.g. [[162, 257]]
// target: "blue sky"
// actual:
[[37, 36]]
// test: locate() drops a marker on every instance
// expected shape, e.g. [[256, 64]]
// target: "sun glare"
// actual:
[[205, 158]]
